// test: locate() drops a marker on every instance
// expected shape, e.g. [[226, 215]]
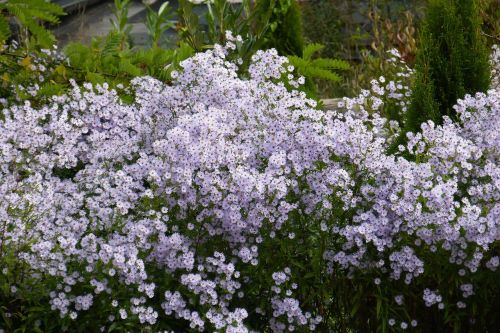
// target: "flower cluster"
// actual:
[[495, 67], [30, 75], [157, 206], [388, 95]]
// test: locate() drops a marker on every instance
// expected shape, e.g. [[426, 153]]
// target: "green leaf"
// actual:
[[4, 30], [111, 44], [29, 13], [355, 308], [51, 89], [324, 74], [126, 67], [310, 49], [79, 55], [379, 306], [298, 62], [95, 78], [113, 327], [42, 35], [330, 63], [163, 7]]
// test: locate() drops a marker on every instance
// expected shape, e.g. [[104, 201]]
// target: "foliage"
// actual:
[[120, 34], [388, 95], [263, 24], [285, 26], [452, 61], [221, 203], [28, 14], [490, 13], [389, 33], [38, 75], [112, 59], [318, 68], [105, 61], [158, 22], [325, 22], [31, 75], [243, 20], [361, 32]]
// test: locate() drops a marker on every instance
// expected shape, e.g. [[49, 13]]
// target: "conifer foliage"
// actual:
[[452, 61]]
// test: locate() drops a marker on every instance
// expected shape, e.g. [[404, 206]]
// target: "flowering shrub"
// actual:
[[387, 95], [30, 75], [234, 205]]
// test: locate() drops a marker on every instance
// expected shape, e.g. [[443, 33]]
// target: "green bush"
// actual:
[[262, 24], [285, 33], [28, 14], [452, 60]]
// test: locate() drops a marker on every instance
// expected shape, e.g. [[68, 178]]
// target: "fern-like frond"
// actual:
[[111, 44], [143, 57], [330, 63], [162, 57], [323, 74], [4, 30], [95, 78], [320, 68], [43, 15], [51, 89], [310, 49], [48, 8], [30, 13], [125, 66], [80, 56], [298, 62], [42, 35]]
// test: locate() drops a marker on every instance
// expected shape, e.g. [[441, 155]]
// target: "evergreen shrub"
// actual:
[[452, 60]]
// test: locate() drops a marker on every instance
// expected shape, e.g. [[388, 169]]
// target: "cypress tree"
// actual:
[[452, 61]]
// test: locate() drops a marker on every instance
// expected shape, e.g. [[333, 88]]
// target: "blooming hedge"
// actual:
[[226, 204]]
